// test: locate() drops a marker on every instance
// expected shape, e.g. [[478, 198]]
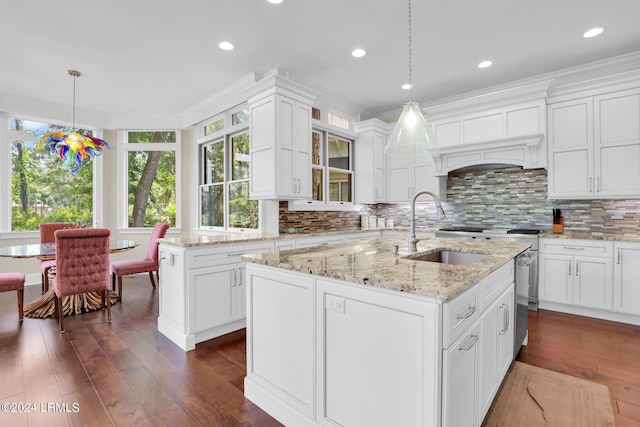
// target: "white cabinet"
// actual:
[[496, 347], [594, 147], [460, 372], [324, 352], [203, 290], [280, 147], [474, 365], [407, 175], [369, 161], [576, 272], [626, 278]]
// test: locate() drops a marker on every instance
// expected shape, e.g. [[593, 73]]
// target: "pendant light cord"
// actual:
[[75, 74], [410, 62]]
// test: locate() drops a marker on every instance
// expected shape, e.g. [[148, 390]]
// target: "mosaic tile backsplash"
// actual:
[[507, 197]]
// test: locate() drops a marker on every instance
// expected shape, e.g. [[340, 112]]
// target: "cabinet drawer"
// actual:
[[224, 254], [592, 248], [494, 284], [459, 314]]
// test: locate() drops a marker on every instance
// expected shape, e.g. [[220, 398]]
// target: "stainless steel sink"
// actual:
[[448, 257]]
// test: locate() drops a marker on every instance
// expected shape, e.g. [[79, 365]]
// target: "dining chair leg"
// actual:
[[120, 288], [20, 304], [60, 313], [102, 298], [108, 297], [153, 282]]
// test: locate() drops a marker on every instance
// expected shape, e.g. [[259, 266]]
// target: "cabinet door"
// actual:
[[506, 332], [593, 280], [617, 144], [626, 289], [571, 149], [424, 177], [302, 144], [399, 178], [213, 298], [459, 380], [491, 324], [556, 278]]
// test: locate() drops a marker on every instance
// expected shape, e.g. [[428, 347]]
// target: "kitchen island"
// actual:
[[354, 335]]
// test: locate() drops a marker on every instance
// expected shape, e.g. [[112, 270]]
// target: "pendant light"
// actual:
[[71, 146], [412, 134]]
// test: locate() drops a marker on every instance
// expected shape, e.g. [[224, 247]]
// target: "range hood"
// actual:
[[502, 127], [526, 151]]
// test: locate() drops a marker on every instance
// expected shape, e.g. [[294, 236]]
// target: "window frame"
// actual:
[[124, 148], [225, 136], [325, 130], [6, 136]]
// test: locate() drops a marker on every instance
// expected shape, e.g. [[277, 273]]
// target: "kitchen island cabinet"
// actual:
[[352, 335]]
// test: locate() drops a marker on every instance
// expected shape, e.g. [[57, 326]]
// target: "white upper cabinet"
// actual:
[[280, 126], [407, 175], [370, 161], [594, 147]]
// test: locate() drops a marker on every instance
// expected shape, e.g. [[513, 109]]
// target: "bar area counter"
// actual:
[[354, 335]]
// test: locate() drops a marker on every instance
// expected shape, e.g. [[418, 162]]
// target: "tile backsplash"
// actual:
[[490, 197]]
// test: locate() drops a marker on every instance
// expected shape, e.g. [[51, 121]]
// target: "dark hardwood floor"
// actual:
[[124, 373], [127, 374]]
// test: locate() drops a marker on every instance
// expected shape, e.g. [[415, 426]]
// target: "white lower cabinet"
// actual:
[[324, 352], [202, 290], [576, 272], [595, 278], [475, 365], [460, 372], [626, 278]]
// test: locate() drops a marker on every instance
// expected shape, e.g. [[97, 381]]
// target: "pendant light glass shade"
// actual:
[[412, 134]]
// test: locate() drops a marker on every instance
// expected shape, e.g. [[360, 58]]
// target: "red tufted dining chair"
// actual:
[[82, 266], [47, 230], [148, 264], [14, 282]]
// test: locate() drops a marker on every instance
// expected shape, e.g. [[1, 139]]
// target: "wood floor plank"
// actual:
[[91, 411]]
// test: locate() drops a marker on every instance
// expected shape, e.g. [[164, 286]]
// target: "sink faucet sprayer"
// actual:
[[413, 241]]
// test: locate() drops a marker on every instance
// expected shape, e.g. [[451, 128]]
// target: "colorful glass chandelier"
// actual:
[[73, 147]]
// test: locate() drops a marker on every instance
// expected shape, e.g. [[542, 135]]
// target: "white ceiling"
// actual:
[[161, 56]]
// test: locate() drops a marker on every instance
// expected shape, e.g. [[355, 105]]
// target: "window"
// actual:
[[224, 178], [41, 188], [149, 184], [331, 168]]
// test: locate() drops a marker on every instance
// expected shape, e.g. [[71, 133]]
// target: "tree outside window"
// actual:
[[151, 173], [42, 188]]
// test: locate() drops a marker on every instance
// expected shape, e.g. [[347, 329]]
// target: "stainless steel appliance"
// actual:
[[526, 280]]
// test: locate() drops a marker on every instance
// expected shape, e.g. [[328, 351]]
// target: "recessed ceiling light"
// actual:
[[485, 64], [407, 86], [226, 46], [593, 32], [358, 53], [275, 1]]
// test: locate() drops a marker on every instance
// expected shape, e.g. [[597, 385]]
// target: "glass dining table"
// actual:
[[44, 306]]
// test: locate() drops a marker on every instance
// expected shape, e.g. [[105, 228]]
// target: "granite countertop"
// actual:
[[371, 263], [223, 238]]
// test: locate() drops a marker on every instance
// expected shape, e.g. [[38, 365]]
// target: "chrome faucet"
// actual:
[[413, 241]]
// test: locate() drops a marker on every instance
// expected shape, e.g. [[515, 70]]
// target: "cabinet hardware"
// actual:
[[577, 265], [619, 256], [570, 265], [590, 184], [471, 343], [467, 314], [235, 254], [598, 186], [574, 248]]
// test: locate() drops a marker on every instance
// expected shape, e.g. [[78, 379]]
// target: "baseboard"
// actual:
[[590, 312]]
